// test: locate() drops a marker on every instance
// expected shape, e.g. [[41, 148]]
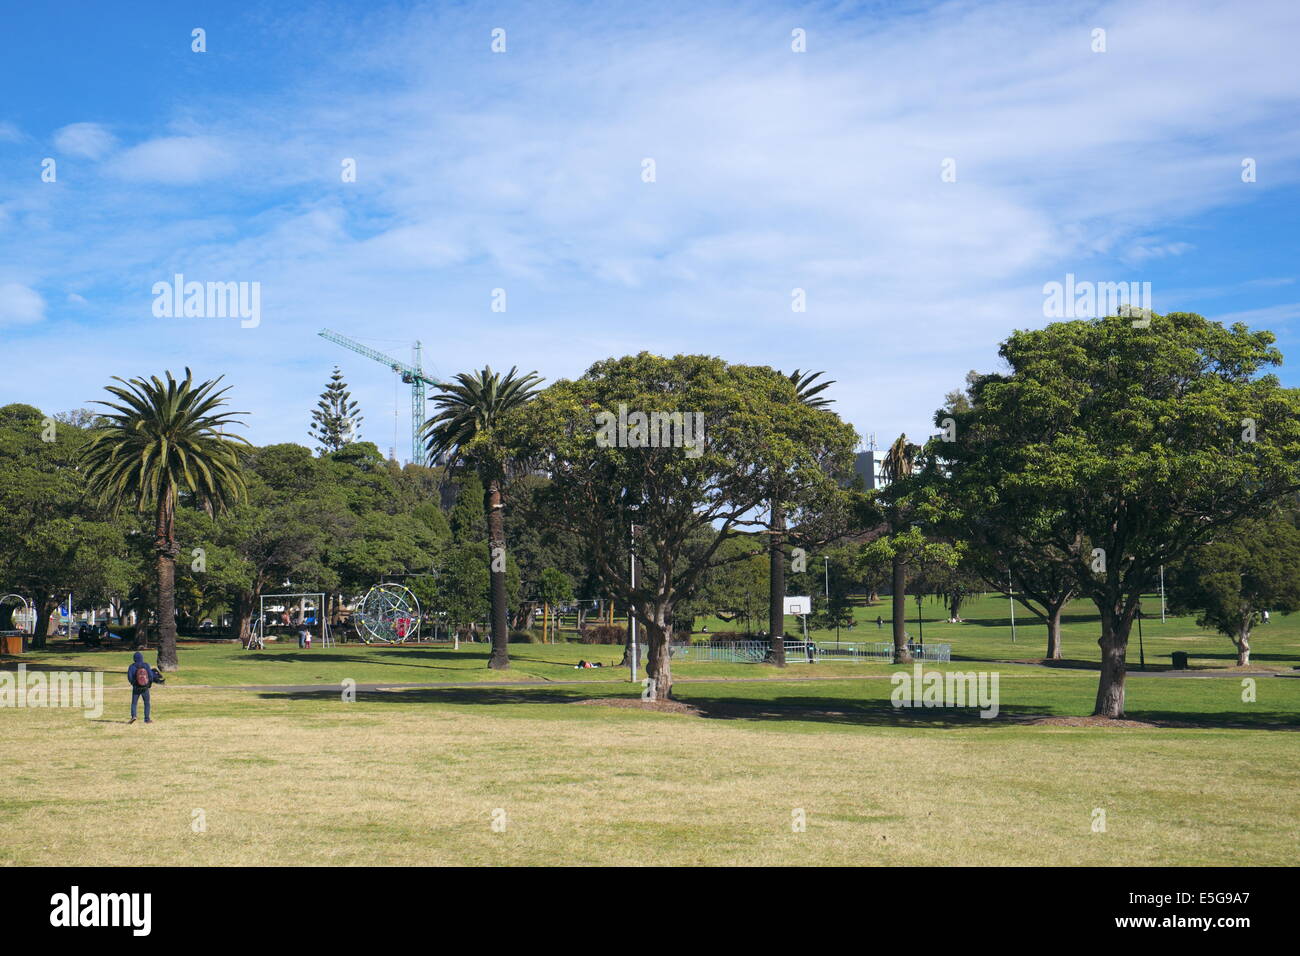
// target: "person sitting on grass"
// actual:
[[141, 677]]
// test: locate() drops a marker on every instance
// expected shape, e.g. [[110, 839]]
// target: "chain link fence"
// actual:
[[796, 651]]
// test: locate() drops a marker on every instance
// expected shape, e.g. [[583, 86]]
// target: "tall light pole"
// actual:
[[1011, 599], [1162, 594], [631, 618]]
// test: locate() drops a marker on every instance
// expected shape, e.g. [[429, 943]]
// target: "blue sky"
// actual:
[[774, 171]]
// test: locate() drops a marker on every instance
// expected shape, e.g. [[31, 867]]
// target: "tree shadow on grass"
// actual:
[[10, 664], [803, 709], [409, 658]]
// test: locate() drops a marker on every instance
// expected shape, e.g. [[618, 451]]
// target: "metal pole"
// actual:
[[1162, 594], [1142, 654], [631, 618], [1011, 597]]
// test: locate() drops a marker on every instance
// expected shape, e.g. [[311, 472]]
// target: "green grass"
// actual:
[[986, 633], [413, 776]]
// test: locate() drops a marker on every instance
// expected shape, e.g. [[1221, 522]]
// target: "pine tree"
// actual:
[[335, 422], [467, 519]]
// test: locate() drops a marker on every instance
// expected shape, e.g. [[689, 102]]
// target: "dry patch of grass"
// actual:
[[387, 781]]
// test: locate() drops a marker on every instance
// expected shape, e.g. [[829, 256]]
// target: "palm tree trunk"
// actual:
[[166, 551], [500, 658], [902, 655], [776, 588]]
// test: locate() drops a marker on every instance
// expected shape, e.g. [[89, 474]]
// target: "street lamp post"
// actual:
[[1162, 594], [1142, 654], [631, 618], [1011, 600]]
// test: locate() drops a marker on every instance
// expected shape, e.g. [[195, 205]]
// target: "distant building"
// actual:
[[870, 468]]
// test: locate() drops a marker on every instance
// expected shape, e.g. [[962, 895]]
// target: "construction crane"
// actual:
[[413, 375]]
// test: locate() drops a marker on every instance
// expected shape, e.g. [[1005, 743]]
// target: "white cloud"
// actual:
[[1269, 317], [20, 305], [775, 170], [176, 160], [87, 140], [9, 133]]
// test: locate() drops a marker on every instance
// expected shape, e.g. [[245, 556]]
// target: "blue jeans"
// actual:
[[136, 694]]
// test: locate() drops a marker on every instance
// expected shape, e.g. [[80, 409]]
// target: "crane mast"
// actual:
[[411, 374]]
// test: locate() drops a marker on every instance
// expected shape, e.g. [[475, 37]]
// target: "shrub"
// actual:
[[524, 637], [603, 634], [723, 637]]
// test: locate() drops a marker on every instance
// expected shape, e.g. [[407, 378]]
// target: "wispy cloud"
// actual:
[[87, 140], [20, 305], [174, 160], [774, 170]]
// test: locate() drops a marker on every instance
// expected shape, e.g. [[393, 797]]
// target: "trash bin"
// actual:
[[11, 644], [1180, 660]]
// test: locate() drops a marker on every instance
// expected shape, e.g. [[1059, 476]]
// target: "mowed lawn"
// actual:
[[985, 633], [985, 636], [419, 776]]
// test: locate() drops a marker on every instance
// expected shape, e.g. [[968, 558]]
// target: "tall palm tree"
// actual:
[[468, 411], [160, 440], [808, 391], [898, 463]]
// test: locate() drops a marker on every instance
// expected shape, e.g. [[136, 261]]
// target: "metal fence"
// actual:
[[882, 651], [753, 652]]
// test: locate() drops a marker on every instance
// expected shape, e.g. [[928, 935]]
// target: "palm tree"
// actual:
[[162, 440], [468, 411], [809, 394], [898, 463]]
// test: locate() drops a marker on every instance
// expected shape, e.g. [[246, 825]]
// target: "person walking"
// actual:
[[141, 677]]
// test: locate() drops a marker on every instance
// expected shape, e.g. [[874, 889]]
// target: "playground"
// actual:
[[439, 760]]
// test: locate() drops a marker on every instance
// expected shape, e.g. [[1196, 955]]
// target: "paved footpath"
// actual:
[[451, 685]]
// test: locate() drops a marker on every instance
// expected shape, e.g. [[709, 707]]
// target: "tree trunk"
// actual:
[[1243, 646], [500, 658], [44, 618], [141, 614], [902, 654], [166, 551], [776, 588], [243, 610], [658, 667], [1054, 633], [1114, 649]]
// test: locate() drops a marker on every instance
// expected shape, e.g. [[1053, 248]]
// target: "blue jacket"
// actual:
[[136, 665]]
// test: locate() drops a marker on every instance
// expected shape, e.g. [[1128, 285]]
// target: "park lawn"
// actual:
[[986, 634], [283, 663], [414, 777]]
